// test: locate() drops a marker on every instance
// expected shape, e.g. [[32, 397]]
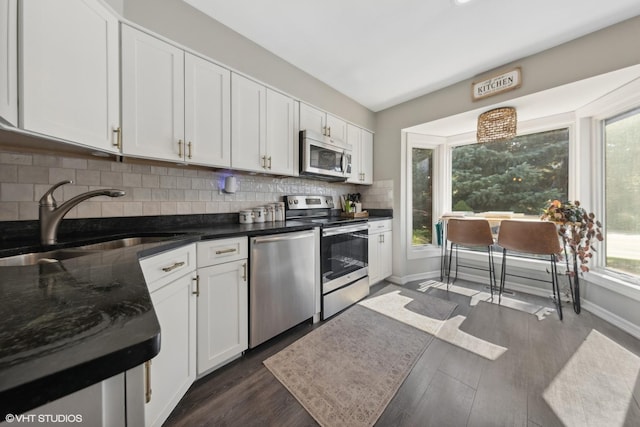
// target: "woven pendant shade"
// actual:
[[498, 124]]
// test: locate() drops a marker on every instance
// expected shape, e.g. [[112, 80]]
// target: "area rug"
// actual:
[[345, 372]]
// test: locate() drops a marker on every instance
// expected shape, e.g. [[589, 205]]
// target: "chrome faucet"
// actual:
[[51, 214]]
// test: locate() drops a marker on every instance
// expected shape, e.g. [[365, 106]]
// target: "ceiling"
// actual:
[[384, 52]]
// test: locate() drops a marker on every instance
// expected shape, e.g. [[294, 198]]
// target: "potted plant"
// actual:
[[579, 232]]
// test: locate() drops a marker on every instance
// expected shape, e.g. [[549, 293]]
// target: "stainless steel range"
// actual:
[[343, 251]]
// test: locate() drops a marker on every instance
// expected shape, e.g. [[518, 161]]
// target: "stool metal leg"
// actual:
[[555, 285]]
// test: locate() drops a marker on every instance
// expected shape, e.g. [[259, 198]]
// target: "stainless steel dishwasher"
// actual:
[[282, 284]]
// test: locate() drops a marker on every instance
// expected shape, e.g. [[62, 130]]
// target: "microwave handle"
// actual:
[[343, 162]]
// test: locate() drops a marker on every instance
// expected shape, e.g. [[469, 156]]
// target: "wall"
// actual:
[[607, 50], [182, 23], [152, 188]]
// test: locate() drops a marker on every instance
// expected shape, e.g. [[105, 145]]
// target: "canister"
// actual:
[[279, 211], [245, 217], [270, 212], [259, 214]]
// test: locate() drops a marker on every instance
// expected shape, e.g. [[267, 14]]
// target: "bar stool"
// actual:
[[470, 233], [531, 237]]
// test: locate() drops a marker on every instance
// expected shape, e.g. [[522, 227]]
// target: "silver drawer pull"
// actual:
[[173, 267], [225, 251]]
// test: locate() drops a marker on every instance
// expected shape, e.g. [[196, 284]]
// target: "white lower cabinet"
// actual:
[[223, 327], [100, 405], [159, 384], [380, 250]]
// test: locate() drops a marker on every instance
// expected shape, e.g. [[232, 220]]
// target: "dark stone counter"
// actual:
[[67, 325]]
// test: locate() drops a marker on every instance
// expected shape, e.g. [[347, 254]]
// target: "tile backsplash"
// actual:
[[152, 189]]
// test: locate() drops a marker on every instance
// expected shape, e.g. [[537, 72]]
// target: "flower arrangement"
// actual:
[[578, 229]]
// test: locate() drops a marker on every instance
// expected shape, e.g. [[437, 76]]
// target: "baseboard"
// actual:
[[612, 318]]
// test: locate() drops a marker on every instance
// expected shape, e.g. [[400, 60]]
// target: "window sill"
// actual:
[[420, 252]]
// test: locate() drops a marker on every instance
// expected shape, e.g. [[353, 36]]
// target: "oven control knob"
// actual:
[[295, 202]]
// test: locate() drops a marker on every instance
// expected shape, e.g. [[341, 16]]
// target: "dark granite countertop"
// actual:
[[70, 324]]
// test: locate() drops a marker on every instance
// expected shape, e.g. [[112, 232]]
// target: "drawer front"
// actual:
[[167, 266], [379, 226], [213, 252]]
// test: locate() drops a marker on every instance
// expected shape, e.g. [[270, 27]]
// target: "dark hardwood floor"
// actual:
[[448, 386]]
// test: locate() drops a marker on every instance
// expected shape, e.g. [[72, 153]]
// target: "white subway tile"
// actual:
[[9, 211], [151, 208], [168, 182], [151, 181], [59, 174], [90, 209], [168, 208], [132, 209], [141, 194], [130, 179], [8, 173], [10, 192], [184, 208], [111, 179], [16, 159], [28, 210], [73, 163], [88, 177]]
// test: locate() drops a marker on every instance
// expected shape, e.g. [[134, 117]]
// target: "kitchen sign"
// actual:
[[494, 85]]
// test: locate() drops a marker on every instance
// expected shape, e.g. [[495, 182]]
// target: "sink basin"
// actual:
[[122, 243], [56, 255], [34, 258]]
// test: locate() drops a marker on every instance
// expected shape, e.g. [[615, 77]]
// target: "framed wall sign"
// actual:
[[498, 83]]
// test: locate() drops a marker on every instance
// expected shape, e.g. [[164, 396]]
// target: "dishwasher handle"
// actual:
[[283, 237]]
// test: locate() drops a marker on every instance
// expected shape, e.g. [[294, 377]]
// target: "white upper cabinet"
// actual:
[[281, 133], [312, 119], [354, 138], [336, 128], [366, 157], [263, 128], [207, 114], [362, 158], [69, 85], [322, 123], [175, 105], [152, 97], [9, 62], [248, 124]]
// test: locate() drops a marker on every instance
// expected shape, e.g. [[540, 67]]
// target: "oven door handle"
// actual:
[[344, 229]]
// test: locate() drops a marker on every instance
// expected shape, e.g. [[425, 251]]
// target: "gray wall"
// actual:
[[182, 23], [607, 50]]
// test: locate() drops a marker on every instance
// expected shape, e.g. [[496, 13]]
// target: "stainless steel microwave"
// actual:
[[323, 157]]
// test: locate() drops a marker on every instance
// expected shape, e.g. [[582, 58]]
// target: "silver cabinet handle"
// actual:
[[189, 149], [180, 148], [197, 292], [147, 381], [118, 142], [173, 267], [244, 271], [225, 251]]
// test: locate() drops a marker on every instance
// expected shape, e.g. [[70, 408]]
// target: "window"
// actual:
[[622, 192], [421, 195], [518, 175]]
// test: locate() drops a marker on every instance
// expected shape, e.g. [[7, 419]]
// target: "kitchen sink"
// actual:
[[34, 258], [123, 243], [56, 255]]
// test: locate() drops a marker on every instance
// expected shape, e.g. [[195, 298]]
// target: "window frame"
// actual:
[[414, 140]]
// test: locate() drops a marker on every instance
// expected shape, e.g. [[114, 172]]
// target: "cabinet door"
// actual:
[[207, 104], [9, 62], [100, 405], [312, 119], [152, 97], [280, 133], [223, 329], [354, 136], [248, 121], [374, 258], [173, 370], [386, 255], [336, 128], [366, 157], [70, 73]]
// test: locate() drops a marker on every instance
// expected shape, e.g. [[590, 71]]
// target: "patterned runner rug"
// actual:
[[345, 372]]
